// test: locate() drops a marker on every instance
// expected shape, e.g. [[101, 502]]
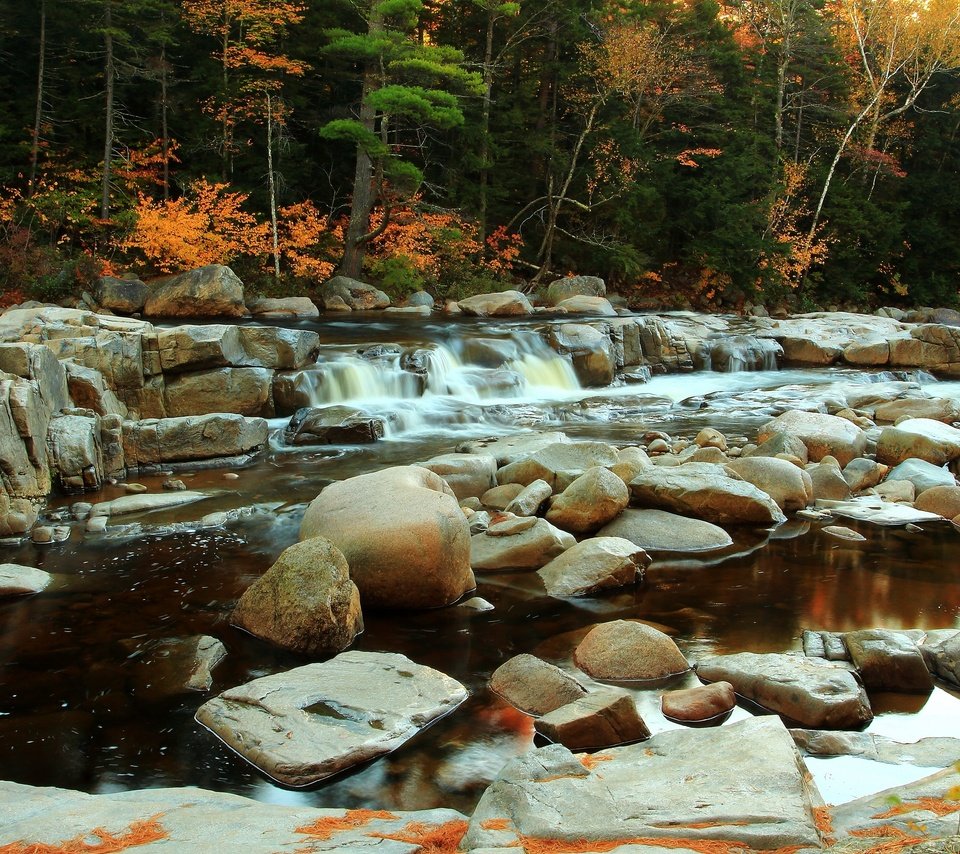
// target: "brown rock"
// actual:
[[600, 719], [693, 705], [624, 650], [534, 686]]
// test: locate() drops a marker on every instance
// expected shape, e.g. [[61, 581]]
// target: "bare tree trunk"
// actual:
[[164, 125], [485, 127], [273, 190], [110, 73], [225, 83], [38, 115]]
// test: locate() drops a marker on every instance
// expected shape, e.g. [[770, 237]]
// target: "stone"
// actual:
[[559, 463], [842, 533], [355, 295], [283, 307], [165, 667], [780, 444], [821, 434], [188, 438], [124, 296], [591, 351], [89, 390], [507, 524], [870, 508], [529, 548], [195, 348], [499, 497], [403, 534], [333, 425], [931, 752], [888, 661], [76, 452], [919, 438], [705, 491], [624, 650], [595, 498], [533, 685], [302, 725], [809, 351], [468, 475], [943, 658], [504, 304], [661, 531], [700, 703], [900, 491], [601, 719], [241, 391], [598, 306], [510, 449], [18, 580], [921, 474], [682, 779], [134, 488], [943, 409], [530, 498], [943, 500], [596, 564], [828, 481], [304, 602], [710, 438], [788, 485], [863, 473], [574, 286], [811, 692], [211, 291]]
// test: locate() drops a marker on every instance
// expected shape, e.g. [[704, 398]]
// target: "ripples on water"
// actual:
[[78, 709]]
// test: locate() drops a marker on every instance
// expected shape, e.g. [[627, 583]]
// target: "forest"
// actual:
[[694, 153]]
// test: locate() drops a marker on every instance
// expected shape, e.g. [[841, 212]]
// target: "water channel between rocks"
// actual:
[[77, 710]]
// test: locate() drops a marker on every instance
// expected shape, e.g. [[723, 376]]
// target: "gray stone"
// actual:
[[596, 564], [842, 533], [468, 475], [780, 443], [624, 650], [809, 691], [529, 499], [595, 498], [828, 481], [168, 440], [499, 497], [888, 661], [504, 304], [303, 725], [211, 291], [76, 453], [591, 351], [863, 473], [241, 391], [573, 286], [529, 548], [125, 296], [333, 425], [599, 306], [943, 658], [559, 463], [533, 685], [145, 503], [166, 667], [787, 484], [283, 307], [17, 580], [683, 780], [822, 434], [921, 474], [658, 530], [510, 449], [603, 718], [870, 508], [930, 752], [356, 295]]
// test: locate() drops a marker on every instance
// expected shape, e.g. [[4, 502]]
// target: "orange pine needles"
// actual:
[[824, 823], [140, 833], [592, 760], [938, 806], [328, 826], [496, 824], [432, 838]]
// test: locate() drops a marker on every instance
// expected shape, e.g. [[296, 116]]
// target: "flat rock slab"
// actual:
[[809, 691], [659, 530], [146, 502], [303, 725], [870, 509], [739, 783], [888, 661], [198, 821], [18, 580], [931, 752]]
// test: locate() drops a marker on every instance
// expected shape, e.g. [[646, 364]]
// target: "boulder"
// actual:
[[510, 449], [499, 497], [302, 725], [161, 668], [679, 784], [921, 474], [603, 718], [624, 650], [660, 531], [240, 391], [943, 658], [705, 491], [787, 484], [743, 353], [780, 444], [596, 564], [504, 304], [828, 481], [598, 306], [196, 348], [333, 425], [530, 547], [468, 475], [169, 440], [809, 351], [700, 703], [489, 352], [873, 509], [574, 286], [710, 438], [343, 291], [942, 500], [559, 463], [533, 685], [211, 291], [124, 296], [595, 498], [283, 307], [403, 534], [17, 580], [145, 503], [888, 661], [305, 602], [530, 498], [591, 351], [901, 491], [76, 452], [89, 390], [811, 692], [821, 434], [943, 409], [863, 473], [918, 438]]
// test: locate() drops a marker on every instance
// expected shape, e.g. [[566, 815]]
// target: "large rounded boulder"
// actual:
[[623, 650], [822, 434], [403, 535], [211, 291], [787, 484]]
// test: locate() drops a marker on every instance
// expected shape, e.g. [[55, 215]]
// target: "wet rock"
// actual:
[[898, 491], [18, 580], [42, 534], [203, 348], [943, 658], [145, 503], [211, 291], [547, 795], [166, 667], [919, 438], [167, 440], [704, 491], [124, 296], [333, 425], [821, 434], [788, 485], [623, 650], [89, 390], [504, 304], [533, 685], [559, 463], [809, 691], [602, 718], [283, 307], [499, 497], [574, 286], [76, 451], [507, 524], [842, 533], [530, 547], [335, 304], [808, 351], [134, 488], [888, 661], [599, 306], [96, 525], [828, 481], [403, 534], [596, 564], [863, 473], [943, 500], [305, 724], [781, 444], [922, 475], [700, 703], [468, 475], [595, 498], [591, 351], [305, 602], [943, 409], [174, 485], [530, 498], [931, 752], [477, 603], [710, 438], [869, 508], [658, 530], [241, 391], [511, 449], [356, 295], [489, 352]]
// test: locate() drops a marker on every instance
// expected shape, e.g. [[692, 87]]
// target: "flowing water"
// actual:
[[78, 708]]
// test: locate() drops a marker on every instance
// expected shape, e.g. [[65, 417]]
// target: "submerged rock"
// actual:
[[305, 724], [164, 668], [17, 580]]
